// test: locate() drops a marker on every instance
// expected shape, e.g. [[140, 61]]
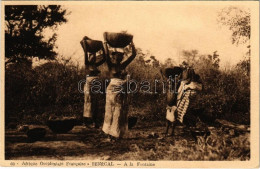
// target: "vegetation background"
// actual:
[[33, 94]]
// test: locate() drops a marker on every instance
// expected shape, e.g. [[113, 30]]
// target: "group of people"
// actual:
[[115, 120], [115, 123], [180, 101]]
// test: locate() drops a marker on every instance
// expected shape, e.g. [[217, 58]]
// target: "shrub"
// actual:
[[52, 89]]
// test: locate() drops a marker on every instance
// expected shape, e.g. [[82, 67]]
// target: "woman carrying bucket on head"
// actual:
[[116, 113], [91, 47]]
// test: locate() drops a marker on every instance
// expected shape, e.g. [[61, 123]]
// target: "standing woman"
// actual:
[[189, 87], [91, 47], [116, 115]]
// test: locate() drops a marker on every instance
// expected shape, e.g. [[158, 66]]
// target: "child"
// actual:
[[172, 75]]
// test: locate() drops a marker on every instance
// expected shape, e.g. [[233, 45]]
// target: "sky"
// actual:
[[164, 29]]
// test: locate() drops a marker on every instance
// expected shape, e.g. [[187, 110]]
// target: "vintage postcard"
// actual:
[[130, 84]]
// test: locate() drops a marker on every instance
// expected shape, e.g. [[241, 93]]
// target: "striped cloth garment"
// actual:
[[186, 98]]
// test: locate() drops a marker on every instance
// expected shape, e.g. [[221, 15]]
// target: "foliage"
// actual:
[[24, 27], [169, 62], [147, 72], [189, 57], [244, 66], [219, 146], [33, 95], [53, 88], [238, 21], [226, 94]]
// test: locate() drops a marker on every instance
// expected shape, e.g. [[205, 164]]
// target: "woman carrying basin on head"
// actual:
[[91, 47], [116, 119]]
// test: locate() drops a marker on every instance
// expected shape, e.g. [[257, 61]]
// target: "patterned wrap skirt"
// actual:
[[116, 119], [184, 103], [90, 98], [185, 99]]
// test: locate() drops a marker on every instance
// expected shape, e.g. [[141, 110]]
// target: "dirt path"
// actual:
[[143, 143]]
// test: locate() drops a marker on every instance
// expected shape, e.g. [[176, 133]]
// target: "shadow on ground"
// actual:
[[144, 142]]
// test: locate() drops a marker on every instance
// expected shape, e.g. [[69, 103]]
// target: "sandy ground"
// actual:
[[82, 143]]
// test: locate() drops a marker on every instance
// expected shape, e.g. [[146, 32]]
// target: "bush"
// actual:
[[226, 94], [52, 89], [49, 89]]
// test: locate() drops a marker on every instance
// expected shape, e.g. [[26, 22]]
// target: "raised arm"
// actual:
[[103, 57], [131, 58], [109, 63], [85, 52]]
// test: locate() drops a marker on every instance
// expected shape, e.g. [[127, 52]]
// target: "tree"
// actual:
[[189, 57], [214, 59], [155, 62], [24, 26], [169, 62], [238, 21]]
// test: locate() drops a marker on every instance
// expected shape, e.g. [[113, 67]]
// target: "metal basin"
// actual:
[[61, 125], [118, 40], [92, 46]]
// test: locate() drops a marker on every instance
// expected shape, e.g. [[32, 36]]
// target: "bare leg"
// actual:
[[167, 127], [173, 128]]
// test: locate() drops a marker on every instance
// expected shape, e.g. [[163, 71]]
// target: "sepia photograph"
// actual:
[[130, 84]]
